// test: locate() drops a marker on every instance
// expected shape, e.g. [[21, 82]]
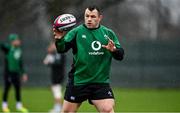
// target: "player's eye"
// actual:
[[93, 16], [87, 16]]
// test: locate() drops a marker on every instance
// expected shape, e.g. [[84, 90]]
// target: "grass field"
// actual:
[[127, 100]]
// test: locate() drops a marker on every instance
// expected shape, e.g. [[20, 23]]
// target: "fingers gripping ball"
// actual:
[[64, 22]]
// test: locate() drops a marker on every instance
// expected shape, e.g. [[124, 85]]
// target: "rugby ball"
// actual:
[[64, 22]]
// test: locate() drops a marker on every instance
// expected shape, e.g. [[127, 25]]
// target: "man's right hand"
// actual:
[[58, 34]]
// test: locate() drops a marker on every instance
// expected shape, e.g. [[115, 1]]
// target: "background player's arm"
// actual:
[[23, 73], [4, 47], [49, 60]]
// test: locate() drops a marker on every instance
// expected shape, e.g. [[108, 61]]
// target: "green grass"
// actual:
[[127, 100]]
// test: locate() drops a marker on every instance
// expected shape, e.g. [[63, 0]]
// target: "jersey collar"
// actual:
[[91, 28]]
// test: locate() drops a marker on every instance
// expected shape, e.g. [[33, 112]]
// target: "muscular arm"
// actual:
[[67, 42], [62, 46]]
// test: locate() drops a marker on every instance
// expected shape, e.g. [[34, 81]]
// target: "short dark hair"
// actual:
[[93, 7]]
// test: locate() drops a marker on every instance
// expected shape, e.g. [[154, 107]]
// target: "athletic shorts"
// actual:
[[78, 94]]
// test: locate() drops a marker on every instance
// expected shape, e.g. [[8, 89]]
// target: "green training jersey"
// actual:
[[13, 58], [91, 62]]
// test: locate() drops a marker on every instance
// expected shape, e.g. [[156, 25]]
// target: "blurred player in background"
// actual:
[[93, 46], [13, 72], [56, 62]]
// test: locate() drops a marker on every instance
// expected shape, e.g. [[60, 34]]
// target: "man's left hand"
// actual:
[[110, 46]]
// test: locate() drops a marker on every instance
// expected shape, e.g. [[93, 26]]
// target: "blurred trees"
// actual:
[[130, 18]]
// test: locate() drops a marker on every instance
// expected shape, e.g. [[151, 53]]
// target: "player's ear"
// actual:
[[100, 17]]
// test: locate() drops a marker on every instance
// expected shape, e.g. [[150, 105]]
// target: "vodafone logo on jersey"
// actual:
[[96, 46]]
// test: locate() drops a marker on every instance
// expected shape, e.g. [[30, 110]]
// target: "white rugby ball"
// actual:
[[64, 22]]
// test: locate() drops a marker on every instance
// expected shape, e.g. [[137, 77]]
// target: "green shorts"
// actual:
[[78, 94]]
